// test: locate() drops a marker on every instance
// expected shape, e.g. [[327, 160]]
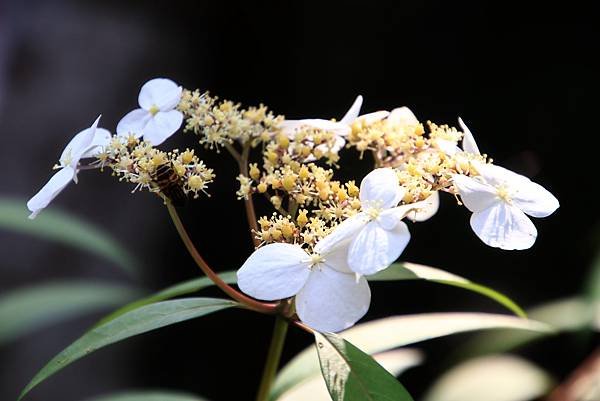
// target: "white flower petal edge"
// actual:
[[430, 207], [53, 187], [332, 301], [275, 271], [340, 128], [157, 119], [381, 188], [468, 142], [499, 200], [83, 144], [353, 112]]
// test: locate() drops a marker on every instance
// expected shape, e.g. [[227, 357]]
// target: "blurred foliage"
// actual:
[[62, 227]]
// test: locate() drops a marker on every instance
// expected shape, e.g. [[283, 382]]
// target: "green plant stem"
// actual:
[[263, 307], [273, 357]]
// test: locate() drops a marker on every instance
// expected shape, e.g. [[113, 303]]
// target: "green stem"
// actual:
[[273, 357]]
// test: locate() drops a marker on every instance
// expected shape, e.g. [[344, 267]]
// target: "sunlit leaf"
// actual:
[[352, 375], [183, 288], [314, 388], [412, 271], [138, 321], [148, 395], [564, 315], [61, 227], [26, 309], [385, 334], [491, 378]]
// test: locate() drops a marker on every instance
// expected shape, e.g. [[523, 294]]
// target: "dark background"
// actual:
[[523, 80]]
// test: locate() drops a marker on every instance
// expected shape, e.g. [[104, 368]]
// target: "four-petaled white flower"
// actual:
[[87, 143], [328, 295], [500, 200], [341, 129], [156, 119], [376, 236]]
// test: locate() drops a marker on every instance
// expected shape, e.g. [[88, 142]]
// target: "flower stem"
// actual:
[[269, 308], [248, 203], [273, 357]]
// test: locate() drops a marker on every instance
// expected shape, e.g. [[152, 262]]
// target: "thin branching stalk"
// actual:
[[263, 307]]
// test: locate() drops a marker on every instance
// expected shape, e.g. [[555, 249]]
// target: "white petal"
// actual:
[[381, 186], [428, 210], [134, 123], [402, 116], [78, 146], [49, 191], [162, 126], [504, 226], [353, 112], [448, 147], [474, 194], [275, 271], [468, 143], [372, 118], [332, 301], [289, 126], [342, 234], [535, 200], [337, 258], [160, 92], [500, 176], [101, 139], [389, 218], [375, 248]]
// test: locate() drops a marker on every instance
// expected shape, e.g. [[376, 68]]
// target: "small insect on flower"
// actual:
[[170, 184]]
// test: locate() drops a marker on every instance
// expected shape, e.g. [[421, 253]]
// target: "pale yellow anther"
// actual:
[[153, 110], [316, 259], [302, 218], [289, 182], [503, 193], [373, 212]]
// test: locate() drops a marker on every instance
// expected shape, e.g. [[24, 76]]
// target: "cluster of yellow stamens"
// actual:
[[137, 161]]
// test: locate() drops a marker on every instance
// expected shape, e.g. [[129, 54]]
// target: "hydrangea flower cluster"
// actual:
[[325, 236]]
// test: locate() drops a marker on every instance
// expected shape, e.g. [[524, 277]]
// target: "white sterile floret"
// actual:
[[328, 295], [468, 142], [341, 128], [157, 118], [376, 236], [87, 143], [500, 200]]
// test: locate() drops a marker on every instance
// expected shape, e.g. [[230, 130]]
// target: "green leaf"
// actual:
[[148, 395], [26, 309], [491, 378], [183, 288], [564, 315], [385, 334], [64, 228], [412, 271], [138, 321], [314, 388], [352, 375]]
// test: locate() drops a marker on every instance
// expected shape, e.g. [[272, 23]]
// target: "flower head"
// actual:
[[328, 296], [500, 200], [156, 119], [376, 235], [86, 143]]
